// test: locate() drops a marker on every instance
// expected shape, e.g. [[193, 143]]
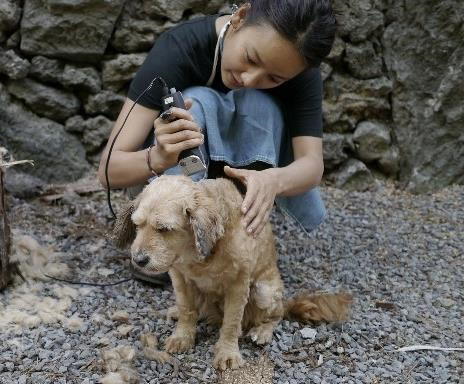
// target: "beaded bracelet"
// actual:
[[153, 172]]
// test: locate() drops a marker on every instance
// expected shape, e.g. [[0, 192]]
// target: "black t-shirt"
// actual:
[[183, 56]]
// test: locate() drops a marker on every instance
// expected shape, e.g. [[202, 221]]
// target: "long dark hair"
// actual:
[[309, 24]]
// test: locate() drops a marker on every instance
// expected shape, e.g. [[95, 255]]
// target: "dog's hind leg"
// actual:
[[264, 310]]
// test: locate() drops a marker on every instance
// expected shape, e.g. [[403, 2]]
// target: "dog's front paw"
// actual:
[[179, 343], [227, 357]]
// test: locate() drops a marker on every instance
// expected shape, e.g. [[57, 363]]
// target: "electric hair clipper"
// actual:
[[190, 160]]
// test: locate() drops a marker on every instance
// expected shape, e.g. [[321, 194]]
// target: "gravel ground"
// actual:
[[400, 255]]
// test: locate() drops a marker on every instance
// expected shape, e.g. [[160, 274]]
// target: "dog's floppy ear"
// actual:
[[207, 224], [124, 230]]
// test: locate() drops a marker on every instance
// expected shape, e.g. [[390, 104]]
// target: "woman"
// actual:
[[256, 114]]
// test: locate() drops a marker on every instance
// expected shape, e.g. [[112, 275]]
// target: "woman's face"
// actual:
[[256, 56]]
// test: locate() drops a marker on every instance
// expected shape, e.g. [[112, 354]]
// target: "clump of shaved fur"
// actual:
[[26, 305], [306, 307], [117, 362]]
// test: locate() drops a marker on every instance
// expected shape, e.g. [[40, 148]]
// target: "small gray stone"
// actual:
[[372, 140], [308, 333]]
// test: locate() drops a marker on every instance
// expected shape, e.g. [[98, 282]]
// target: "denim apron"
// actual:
[[244, 126]]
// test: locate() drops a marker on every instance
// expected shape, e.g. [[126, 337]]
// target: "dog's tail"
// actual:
[[307, 307]]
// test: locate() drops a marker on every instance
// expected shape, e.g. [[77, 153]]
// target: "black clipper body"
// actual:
[[190, 160]]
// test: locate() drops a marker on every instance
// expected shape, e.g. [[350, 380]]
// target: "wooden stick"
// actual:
[[5, 238]]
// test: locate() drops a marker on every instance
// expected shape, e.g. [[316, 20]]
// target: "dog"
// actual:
[[219, 273]]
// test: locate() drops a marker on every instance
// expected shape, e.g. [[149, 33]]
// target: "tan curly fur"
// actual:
[[219, 273]]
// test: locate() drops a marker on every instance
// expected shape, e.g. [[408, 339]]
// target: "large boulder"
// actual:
[[363, 60], [82, 79], [353, 176], [120, 70], [58, 156], [44, 100], [338, 48], [358, 19], [47, 70], [23, 185], [135, 30], [175, 9], [106, 103], [348, 101], [94, 131], [77, 30], [425, 57], [336, 147]]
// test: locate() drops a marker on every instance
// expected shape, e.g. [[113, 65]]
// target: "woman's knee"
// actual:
[[197, 92], [255, 102]]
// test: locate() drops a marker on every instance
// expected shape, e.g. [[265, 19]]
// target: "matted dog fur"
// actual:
[[220, 273]]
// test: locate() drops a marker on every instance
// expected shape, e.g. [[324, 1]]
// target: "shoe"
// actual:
[[160, 280]]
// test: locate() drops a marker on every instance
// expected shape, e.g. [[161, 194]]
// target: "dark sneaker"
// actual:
[[160, 280]]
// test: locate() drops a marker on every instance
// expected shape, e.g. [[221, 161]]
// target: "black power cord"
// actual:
[[108, 193], [85, 283]]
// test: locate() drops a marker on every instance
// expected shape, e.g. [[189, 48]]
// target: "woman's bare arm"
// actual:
[[305, 171], [128, 164]]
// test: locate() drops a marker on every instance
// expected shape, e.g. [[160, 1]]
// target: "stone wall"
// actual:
[[394, 84]]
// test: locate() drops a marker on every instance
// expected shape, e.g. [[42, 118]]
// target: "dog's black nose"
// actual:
[[141, 259]]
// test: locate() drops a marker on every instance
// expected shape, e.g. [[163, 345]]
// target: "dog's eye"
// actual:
[[163, 229]]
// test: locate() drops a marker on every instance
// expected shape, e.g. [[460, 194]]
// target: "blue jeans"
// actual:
[[245, 126]]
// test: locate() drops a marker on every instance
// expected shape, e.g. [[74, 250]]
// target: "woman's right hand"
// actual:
[[173, 137]]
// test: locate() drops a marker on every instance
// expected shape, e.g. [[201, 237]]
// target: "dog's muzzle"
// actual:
[[140, 258]]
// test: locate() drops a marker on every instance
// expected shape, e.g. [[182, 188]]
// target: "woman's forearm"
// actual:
[[299, 176], [127, 169]]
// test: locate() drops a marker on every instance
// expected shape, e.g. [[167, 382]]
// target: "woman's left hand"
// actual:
[[259, 199]]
